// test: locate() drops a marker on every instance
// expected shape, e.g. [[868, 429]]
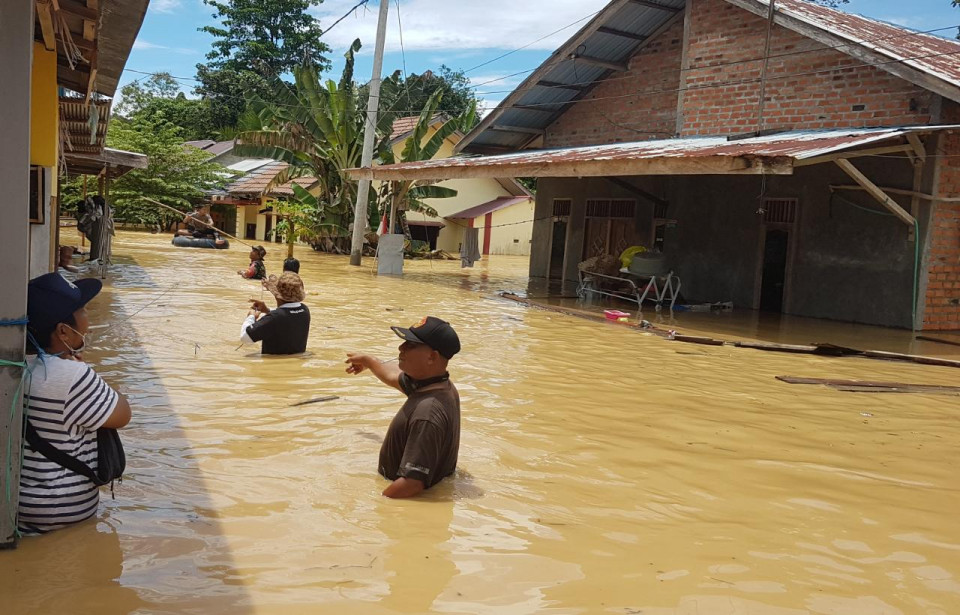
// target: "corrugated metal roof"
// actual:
[[75, 125], [636, 19], [249, 164], [256, 181], [935, 57], [489, 207], [769, 154]]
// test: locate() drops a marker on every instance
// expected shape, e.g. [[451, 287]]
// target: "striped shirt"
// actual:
[[66, 404]]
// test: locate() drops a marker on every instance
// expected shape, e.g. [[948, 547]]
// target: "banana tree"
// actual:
[[410, 195], [317, 129]]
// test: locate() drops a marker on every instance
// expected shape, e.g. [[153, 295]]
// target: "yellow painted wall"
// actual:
[[44, 108], [470, 193], [514, 238]]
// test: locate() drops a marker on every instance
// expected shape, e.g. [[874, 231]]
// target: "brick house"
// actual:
[[837, 197]]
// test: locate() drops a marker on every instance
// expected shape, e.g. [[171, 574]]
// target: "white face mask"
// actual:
[[83, 341]]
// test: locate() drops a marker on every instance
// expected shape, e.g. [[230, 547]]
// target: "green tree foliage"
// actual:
[[177, 176], [159, 98], [255, 41], [317, 128], [408, 96]]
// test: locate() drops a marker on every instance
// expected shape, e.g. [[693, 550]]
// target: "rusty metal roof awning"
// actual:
[[116, 162], [776, 154]]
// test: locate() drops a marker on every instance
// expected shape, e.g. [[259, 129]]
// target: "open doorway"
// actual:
[[558, 238], [776, 254], [558, 248], [775, 250]]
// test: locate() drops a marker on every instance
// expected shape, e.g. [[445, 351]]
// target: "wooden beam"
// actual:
[[922, 195], [520, 129], [90, 26], [876, 151], [617, 66], [72, 7], [638, 191], [45, 17], [622, 33], [91, 81], [712, 165], [82, 45], [657, 5], [557, 57], [918, 148], [875, 191], [538, 108], [563, 86]]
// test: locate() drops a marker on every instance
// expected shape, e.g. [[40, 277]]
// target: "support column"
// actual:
[[16, 49]]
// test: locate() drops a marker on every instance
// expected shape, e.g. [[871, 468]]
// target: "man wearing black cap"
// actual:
[[423, 439], [66, 404]]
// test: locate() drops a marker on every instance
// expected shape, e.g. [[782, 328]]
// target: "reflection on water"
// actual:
[[602, 469]]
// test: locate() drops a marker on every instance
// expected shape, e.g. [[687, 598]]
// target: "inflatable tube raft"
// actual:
[[193, 242]]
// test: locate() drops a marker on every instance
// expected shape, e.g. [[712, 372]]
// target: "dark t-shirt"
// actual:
[[283, 331], [424, 438]]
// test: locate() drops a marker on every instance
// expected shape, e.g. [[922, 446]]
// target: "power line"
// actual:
[[545, 36], [720, 64], [681, 89], [347, 14]]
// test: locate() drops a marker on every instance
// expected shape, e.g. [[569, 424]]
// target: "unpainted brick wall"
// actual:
[[943, 288], [636, 105], [808, 87]]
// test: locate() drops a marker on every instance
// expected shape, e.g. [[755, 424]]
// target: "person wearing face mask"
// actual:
[[423, 440], [66, 404]]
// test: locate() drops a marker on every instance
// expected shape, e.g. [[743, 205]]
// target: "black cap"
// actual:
[[51, 300], [435, 333]]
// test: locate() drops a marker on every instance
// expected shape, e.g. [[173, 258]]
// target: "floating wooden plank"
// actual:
[[865, 386], [697, 339], [897, 356], [315, 401], [794, 348], [927, 338]]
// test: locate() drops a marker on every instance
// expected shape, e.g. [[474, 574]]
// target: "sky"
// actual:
[[462, 34]]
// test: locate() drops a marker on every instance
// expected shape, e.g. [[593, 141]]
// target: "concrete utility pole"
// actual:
[[16, 49], [369, 133]]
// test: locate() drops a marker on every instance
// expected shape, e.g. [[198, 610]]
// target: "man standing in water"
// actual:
[[423, 439], [284, 330]]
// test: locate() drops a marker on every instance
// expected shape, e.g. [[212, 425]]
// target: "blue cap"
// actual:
[[51, 299]]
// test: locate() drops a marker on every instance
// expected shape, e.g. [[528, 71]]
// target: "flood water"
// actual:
[[602, 470]]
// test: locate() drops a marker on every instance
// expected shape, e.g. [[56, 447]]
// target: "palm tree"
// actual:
[[317, 129], [409, 195]]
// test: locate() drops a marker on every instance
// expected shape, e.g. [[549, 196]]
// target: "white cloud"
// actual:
[[165, 6], [144, 45], [459, 25]]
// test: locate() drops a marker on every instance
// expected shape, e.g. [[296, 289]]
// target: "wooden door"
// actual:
[[487, 227]]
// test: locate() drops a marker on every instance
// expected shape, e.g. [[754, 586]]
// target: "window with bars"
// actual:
[[779, 211], [611, 208], [561, 207]]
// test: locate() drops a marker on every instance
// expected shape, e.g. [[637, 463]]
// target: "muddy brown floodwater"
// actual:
[[601, 470]]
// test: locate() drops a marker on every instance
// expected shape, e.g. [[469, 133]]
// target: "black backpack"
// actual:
[[111, 460]]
